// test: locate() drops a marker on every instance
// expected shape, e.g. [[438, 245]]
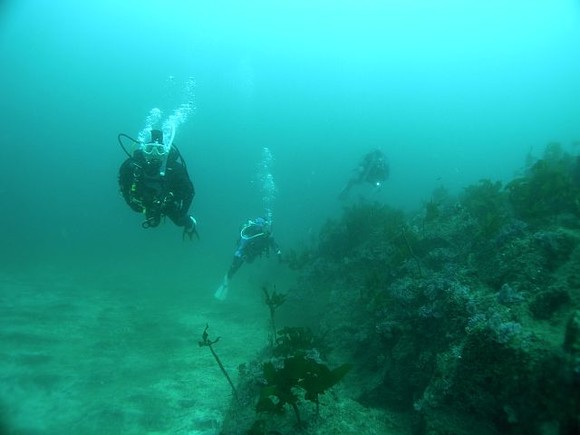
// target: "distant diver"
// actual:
[[373, 169], [255, 240]]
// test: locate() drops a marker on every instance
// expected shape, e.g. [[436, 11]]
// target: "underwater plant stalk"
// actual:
[[205, 341], [295, 407], [273, 301], [273, 322]]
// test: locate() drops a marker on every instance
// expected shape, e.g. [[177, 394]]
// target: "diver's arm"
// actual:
[[126, 176], [345, 191], [236, 264], [128, 184]]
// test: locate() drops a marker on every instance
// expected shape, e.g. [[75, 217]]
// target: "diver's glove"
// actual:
[[191, 229], [153, 217]]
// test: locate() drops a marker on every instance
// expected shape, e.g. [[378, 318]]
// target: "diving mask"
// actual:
[[154, 149]]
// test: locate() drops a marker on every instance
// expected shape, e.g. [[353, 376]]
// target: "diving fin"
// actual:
[[222, 292]]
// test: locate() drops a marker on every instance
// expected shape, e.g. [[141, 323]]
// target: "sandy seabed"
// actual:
[[76, 358], [107, 350]]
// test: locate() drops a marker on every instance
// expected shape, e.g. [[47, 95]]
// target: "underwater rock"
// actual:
[[509, 295], [546, 303], [572, 337]]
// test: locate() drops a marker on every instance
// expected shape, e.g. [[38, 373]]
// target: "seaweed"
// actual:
[[298, 373], [205, 341], [486, 202], [273, 301], [359, 225], [292, 340], [548, 188]]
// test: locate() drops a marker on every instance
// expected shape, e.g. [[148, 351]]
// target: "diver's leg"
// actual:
[[344, 193], [222, 292]]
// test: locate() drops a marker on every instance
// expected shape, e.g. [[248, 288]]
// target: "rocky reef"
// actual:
[[461, 318]]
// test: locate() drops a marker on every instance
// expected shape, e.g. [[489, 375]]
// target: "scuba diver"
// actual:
[[255, 239], [154, 181], [373, 169]]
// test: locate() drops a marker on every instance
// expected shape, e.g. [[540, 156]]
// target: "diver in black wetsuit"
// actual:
[[154, 181], [373, 169]]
